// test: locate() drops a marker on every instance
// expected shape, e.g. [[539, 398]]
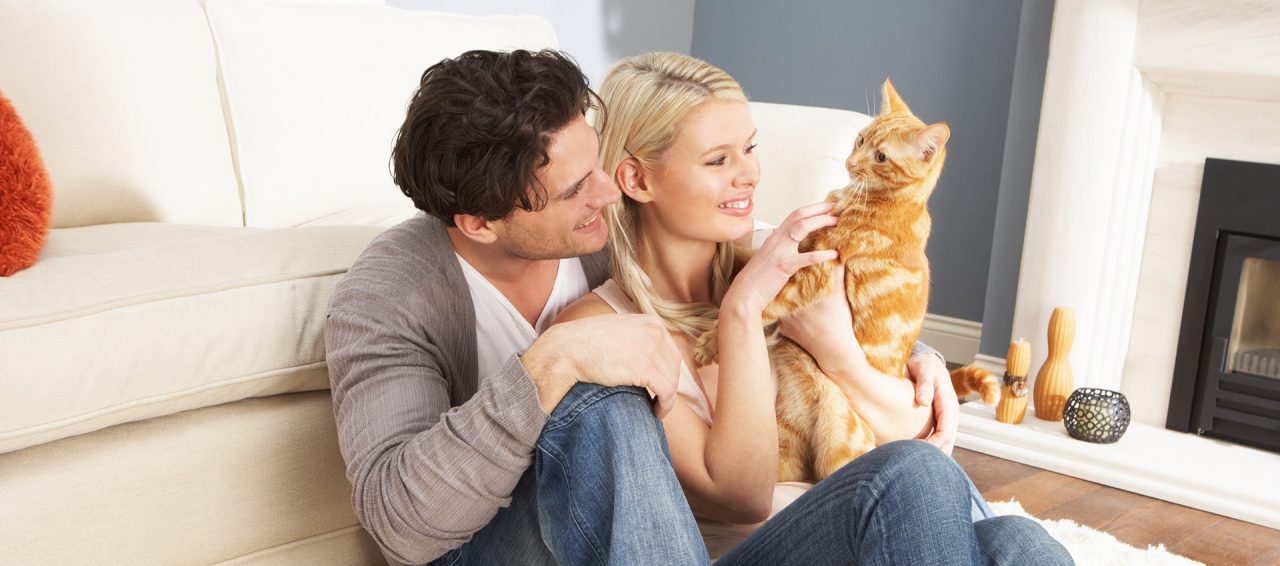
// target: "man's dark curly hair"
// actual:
[[478, 128]]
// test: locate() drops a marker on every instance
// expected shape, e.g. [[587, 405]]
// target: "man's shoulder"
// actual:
[[408, 260]]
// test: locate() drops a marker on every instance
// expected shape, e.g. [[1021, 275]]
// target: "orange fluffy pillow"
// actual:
[[25, 194]]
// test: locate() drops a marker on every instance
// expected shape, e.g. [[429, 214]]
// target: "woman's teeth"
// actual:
[[737, 204]]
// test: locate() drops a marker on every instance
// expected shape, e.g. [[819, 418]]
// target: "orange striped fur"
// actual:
[[973, 379], [883, 227]]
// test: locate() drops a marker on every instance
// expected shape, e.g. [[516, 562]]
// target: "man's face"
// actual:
[[571, 224]]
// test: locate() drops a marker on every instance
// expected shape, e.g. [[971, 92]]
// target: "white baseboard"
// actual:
[[1211, 475], [990, 363], [957, 339]]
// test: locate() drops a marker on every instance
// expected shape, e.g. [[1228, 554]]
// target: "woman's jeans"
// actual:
[[602, 491]]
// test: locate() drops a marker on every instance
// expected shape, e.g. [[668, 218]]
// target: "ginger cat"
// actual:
[[881, 235]]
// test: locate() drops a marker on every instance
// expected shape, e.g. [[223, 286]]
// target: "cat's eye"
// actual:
[[859, 142], [881, 157]]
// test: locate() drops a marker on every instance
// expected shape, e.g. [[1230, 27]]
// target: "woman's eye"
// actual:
[[751, 147], [881, 157], [717, 161]]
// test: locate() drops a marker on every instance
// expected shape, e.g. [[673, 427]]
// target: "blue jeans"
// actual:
[[903, 503], [602, 491]]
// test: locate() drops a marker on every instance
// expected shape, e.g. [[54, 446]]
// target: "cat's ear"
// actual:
[[890, 101], [630, 177], [932, 138]]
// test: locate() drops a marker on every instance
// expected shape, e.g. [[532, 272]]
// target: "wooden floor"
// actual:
[[1133, 519]]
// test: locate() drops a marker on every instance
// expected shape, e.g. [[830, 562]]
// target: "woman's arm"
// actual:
[[727, 470], [885, 402]]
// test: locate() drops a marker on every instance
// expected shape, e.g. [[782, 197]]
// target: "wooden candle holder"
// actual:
[[1055, 381]]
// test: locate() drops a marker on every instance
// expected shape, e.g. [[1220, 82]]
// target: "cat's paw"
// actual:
[[707, 349]]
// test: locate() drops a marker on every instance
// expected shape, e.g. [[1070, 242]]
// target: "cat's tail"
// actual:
[[971, 379]]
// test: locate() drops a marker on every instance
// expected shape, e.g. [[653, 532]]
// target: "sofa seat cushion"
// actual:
[[123, 322], [386, 215]]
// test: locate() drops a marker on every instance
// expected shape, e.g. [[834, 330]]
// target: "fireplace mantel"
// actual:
[[1137, 95]]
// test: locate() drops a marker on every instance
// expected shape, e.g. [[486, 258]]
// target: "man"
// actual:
[[469, 426]]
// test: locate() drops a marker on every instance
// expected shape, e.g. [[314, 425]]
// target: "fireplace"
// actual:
[[1226, 381]]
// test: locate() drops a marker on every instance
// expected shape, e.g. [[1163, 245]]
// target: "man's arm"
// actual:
[[425, 477]]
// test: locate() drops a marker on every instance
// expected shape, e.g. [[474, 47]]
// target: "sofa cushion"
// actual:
[[316, 93], [122, 322], [802, 152], [122, 98]]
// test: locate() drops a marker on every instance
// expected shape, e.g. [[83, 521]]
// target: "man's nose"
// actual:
[[603, 190]]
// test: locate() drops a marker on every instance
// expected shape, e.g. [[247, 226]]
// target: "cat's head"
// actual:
[[897, 155]]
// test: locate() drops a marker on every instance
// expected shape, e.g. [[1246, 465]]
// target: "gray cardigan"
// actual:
[[432, 450]]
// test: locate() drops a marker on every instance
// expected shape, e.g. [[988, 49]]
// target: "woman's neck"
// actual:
[[679, 268]]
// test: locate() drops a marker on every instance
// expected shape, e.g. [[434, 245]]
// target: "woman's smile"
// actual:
[[740, 206]]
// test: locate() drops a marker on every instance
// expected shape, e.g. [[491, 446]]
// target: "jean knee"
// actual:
[[600, 413], [915, 455], [921, 468], [1012, 539]]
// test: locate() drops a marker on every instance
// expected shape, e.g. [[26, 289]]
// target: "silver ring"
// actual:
[[793, 237]]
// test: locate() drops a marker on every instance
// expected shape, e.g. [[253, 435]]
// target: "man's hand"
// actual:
[[933, 385], [609, 350]]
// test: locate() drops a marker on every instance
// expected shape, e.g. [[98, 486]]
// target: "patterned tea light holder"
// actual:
[[1096, 415]]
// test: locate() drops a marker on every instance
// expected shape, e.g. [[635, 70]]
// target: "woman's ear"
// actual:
[[630, 177], [475, 228]]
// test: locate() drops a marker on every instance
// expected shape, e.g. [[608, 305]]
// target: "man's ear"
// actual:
[[630, 177], [475, 228]]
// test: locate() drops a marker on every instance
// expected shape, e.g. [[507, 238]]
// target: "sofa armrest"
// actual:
[[802, 152]]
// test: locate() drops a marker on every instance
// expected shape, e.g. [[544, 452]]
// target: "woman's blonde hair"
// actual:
[[646, 97]]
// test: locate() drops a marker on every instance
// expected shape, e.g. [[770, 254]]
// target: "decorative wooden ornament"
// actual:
[[1013, 397], [1055, 382]]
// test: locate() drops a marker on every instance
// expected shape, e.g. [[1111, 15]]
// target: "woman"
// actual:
[[679, 142]]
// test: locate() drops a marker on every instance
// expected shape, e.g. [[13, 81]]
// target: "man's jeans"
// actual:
[[602, 491]]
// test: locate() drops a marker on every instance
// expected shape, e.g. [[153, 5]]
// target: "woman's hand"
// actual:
[[886, 403], [778, 259], [825, 330], [933, 386]]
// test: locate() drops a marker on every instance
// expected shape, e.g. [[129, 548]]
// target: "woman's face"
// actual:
[[703, 187]]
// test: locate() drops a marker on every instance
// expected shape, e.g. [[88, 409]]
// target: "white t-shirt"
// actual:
[[500, 329]]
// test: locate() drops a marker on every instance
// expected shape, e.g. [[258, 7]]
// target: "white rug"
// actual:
[[1095, 548]]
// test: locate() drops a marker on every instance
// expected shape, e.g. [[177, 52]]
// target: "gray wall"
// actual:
[[952, 61], [1015, 178], [596, 32]]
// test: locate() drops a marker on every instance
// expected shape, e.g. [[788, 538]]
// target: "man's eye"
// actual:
[[572, 192]]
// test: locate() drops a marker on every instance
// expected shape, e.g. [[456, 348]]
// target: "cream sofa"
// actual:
[[217, 166]]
